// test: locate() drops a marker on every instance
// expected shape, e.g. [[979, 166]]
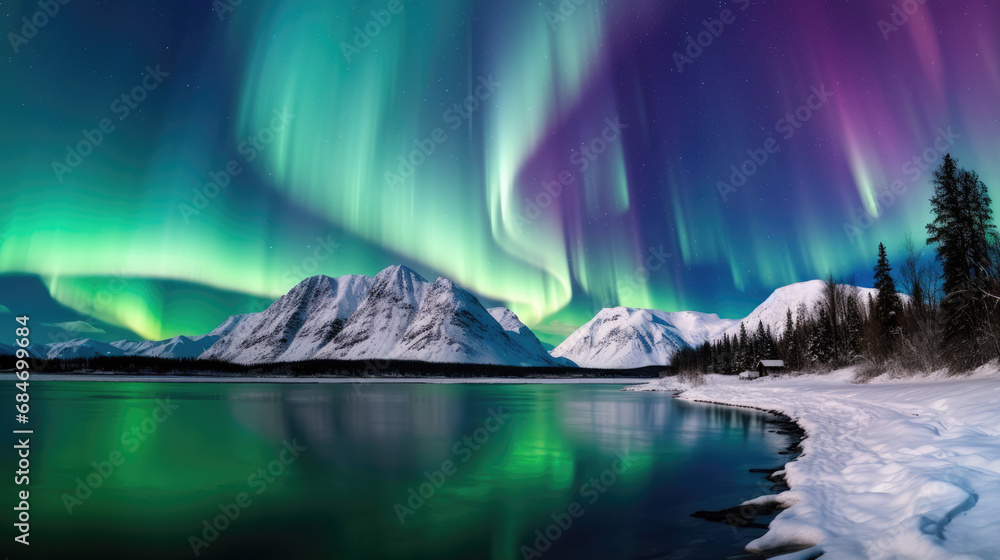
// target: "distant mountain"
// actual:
[[451, 326], [698, 328], [381, 319], [400, 315], [522, 335], [395, 315], [625, 337], [296, 325], [81, 348], [52, 321], [177, 347], [228, 325], [773, 310], [404, 317]]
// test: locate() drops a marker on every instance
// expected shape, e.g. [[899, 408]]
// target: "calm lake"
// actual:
[[248, 470]]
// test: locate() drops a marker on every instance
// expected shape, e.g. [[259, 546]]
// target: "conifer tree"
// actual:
[[760, 344], [963, 231], [888, 307], [789, 342]]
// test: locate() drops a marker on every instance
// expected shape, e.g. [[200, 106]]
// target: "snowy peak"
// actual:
[[623, 338], [296, 325], [507, 319], [516, 330], [338, 299], [399, 283], [772, 312], [395, 315], [452, 326], [379, 322], [697, 328], [81, 348], [406, 318], [229, 324], [176, 347]]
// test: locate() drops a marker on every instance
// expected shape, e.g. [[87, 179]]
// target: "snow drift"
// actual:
[[891, 469]]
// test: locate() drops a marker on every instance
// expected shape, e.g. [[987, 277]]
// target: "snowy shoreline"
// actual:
[[896, 468]]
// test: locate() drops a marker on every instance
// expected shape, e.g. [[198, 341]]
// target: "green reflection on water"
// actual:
[[187, 448]]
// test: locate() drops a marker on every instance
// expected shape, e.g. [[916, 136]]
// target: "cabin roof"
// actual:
[[771, 363]]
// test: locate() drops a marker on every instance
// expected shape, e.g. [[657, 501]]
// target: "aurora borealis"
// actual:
[[554, 157]]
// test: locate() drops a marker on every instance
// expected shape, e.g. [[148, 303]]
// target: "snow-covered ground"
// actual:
[[889, 469]]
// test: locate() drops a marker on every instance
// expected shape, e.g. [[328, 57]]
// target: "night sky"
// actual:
[[167, 163]]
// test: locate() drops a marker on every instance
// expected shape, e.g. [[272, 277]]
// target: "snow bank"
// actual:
[[890, 469]]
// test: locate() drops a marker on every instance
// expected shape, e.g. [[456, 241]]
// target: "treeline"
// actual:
[[950, 317], [139, 365]]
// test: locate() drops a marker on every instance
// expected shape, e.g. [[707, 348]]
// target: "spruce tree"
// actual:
[[963, 231], [762, 346], [743, 348], [791, 348], [855, 325], [887, 304], [821, 346]]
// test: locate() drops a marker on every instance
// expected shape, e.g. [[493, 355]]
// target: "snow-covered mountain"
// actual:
[[380, 320], [698, 328], [229, 324], [296, 325], [521, 334], [452, 326], [395, 315], [773, 310], [405, 317], [81, 348], [177, 347], [625, 337]]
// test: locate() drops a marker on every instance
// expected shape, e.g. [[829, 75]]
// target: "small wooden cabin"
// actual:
[[767, 367]]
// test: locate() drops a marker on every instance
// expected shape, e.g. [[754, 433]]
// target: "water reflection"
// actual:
[[518, 454]]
